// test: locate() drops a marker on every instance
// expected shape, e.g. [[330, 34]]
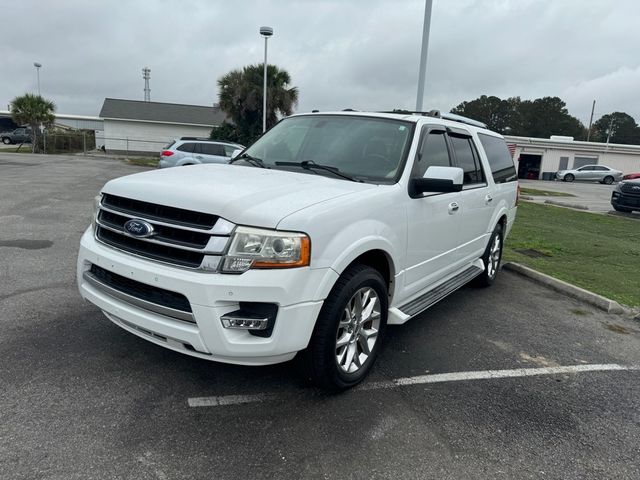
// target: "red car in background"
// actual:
[[631, 176]]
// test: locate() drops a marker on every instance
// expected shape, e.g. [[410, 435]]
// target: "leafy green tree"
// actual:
[[33, 110], [541, 117], [548, 116], [625, 129], [500, 115], [240, 98]]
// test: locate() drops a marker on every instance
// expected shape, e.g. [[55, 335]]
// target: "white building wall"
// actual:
[[144, 137]]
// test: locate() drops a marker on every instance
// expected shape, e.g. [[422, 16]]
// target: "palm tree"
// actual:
[[33, 110], [241, 93]]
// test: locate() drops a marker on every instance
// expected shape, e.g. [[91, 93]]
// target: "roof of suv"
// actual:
[[205, 140], [447, 119]]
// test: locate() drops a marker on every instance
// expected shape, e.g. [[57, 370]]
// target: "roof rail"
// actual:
[[445, 116], [194, 138]]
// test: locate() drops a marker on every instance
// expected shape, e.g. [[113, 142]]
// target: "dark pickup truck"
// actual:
[[19, 135]]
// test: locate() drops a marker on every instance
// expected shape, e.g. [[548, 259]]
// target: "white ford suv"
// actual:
[[327, 229]]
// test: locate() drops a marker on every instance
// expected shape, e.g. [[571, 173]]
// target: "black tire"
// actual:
[[608, 180], [488, 276], [320, 361], [6, 141], [569, 177]]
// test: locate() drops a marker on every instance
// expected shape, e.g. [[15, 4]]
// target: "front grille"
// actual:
[[180, 237], [632, 188], [151, 211], [155, 251], [141, 291]]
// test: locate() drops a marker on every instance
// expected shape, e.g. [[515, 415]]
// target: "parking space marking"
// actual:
[[225, 400]]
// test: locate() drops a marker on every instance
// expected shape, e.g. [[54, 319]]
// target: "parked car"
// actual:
[[626, 196], [328, 228], [193, 151], [631, 176], [19, 135], [591, 173]]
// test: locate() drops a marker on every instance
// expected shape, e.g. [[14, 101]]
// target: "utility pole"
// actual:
[[609, 131], [146, 74], [593, 107], [423, 53], [266, 32]]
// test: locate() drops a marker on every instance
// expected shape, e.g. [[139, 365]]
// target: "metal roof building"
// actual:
[[132, 126]]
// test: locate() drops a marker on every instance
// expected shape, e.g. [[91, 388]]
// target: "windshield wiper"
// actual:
[[255, 161], [311, 165]]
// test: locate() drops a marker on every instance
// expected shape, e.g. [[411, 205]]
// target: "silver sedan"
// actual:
[[591, 173]]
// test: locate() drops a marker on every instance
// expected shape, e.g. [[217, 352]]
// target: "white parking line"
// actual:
[[225, 400]]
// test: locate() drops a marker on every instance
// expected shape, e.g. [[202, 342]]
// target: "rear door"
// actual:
[[212, 153], [476, 196]]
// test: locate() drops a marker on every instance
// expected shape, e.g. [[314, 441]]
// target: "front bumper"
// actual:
[[623, 200], [297, 292]]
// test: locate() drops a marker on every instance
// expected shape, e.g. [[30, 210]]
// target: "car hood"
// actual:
[[240, 194]]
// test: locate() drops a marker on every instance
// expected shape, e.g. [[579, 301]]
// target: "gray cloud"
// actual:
[[362, 54]]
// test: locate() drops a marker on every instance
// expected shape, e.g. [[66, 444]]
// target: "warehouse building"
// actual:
[[541, 158], [139, 127]]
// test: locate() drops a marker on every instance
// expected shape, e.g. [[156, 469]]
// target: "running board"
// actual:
[[433, 296]]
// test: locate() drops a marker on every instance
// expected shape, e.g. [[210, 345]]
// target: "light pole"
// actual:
[[266, 32], [38, 65], [423, 53]]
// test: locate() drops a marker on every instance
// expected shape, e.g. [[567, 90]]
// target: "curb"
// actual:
[[577, 206], [598, 301]]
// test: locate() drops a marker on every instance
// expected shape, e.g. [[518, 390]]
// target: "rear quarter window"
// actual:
[[186, 147], [502, 167]]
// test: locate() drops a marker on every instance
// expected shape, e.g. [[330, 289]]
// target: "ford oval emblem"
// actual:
[[138, 228]]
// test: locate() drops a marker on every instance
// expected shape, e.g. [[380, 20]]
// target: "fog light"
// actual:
[[244, 323]]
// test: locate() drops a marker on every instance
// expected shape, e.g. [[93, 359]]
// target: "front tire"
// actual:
[[6, 141], [569, 177], [491, 258], [349, 330], [622, 209]]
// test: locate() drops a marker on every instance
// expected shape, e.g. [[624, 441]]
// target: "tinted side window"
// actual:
[[500, 161], [229, 149], [186, 147], [467, 160], [212, 149], [433, 153]]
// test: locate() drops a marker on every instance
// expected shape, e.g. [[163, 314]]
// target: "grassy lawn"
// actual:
[[26, 148], [598, 252], [543, 193], [143, 161]]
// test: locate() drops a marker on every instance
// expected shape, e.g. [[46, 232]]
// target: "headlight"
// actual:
[[96, 206], [258, 248]]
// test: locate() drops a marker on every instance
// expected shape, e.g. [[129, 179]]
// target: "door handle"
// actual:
[[453, 208], [488, 198]]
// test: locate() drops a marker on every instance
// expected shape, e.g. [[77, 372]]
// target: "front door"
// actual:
[[434, 220]]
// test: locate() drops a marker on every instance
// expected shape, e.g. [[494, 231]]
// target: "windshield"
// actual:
[[365, 148]]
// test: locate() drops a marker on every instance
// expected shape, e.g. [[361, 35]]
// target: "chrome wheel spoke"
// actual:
[[357, 330]]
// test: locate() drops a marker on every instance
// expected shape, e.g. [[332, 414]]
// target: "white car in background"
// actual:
[[194, 151], [591, 173]]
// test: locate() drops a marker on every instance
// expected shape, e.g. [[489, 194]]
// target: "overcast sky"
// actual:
[[362, 54]]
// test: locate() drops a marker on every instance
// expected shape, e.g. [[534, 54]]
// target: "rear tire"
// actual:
[[569, 177], [608, 180], [491, 258], [349, 330]]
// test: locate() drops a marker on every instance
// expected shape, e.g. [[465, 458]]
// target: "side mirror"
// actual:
[[235, 153], [437, 180]]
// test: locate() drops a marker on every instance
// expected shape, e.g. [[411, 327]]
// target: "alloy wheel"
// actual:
[[358, 330], [494, 256]]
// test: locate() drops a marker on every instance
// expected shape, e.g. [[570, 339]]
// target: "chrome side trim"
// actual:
[[137, 302]]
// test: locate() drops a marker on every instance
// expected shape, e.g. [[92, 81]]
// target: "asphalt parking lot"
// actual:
[[514, 381]]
